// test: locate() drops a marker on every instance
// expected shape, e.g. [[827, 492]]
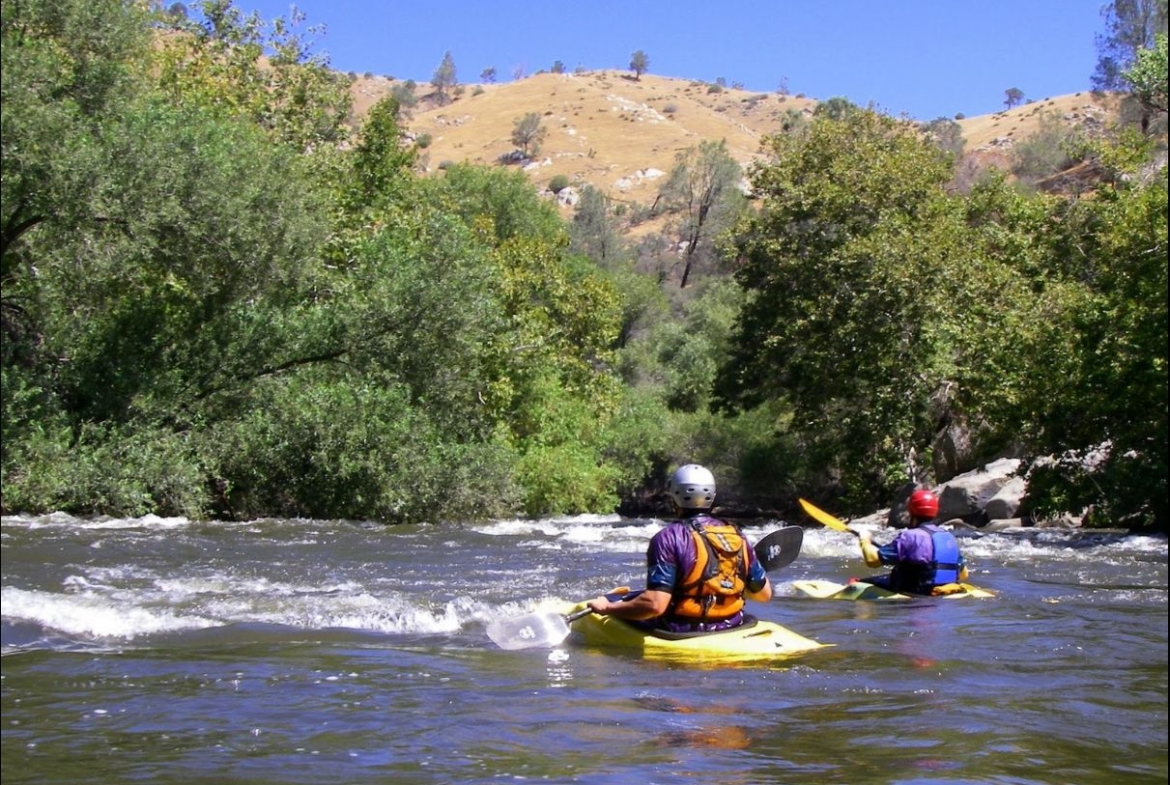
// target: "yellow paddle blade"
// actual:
[[823, 517]]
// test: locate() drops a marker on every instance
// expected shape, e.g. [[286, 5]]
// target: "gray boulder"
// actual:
[[1006, 502], [967, 495]]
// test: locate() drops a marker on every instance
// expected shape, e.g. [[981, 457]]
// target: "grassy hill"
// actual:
[[621, 134]]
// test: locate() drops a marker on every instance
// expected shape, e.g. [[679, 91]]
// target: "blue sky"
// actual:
[[922, 58]]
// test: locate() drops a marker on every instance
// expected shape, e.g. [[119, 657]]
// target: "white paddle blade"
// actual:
[[529, 632]]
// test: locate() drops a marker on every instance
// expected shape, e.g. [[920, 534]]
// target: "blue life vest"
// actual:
[[946, 556], [920, 577]]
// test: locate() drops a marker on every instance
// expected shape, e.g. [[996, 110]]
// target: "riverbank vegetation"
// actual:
[[222, 299]]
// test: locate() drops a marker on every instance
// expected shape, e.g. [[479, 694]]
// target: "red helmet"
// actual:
[[923, 504]]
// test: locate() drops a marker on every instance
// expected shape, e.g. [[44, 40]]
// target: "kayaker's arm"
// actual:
[[763, 595], [868, 551], [647, 605]]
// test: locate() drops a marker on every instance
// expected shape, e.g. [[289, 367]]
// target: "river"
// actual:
[[298, 651]]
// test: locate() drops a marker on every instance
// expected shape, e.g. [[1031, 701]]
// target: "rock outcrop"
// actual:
[[987, 498]]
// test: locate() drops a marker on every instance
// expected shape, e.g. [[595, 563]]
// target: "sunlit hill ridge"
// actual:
[[620, 134]]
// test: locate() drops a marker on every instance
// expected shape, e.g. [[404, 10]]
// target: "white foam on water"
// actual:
[[92, 615]]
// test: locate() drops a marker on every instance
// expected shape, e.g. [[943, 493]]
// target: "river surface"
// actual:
[[297, 651]]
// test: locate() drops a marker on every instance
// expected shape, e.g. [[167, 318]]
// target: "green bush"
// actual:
[[110, 471], [1051, 149]]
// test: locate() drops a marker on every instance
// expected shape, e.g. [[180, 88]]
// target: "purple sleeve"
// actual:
[[669, 558], [912, 546]]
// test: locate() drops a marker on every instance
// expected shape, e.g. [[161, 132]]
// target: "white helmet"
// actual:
[[692, 487]]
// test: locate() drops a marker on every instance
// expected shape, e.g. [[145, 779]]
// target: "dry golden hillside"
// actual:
[[604, 128], [1000, 129], [621, 134]]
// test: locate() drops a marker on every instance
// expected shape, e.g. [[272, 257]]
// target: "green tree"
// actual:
[[292, 92], [527, 134], [846, 319], [553, 390], [688, 350], [1013, 96], [1147, 79], [380, 162], [488, 74], [375, 404], [204, 314], [794, 121], [65, 67], [1052, 148], [594, 229], [558, 183], [837, 108], [444, 78], [1131, 26], [639, 63], [405, 93], [703, 188], [1099, 407], [947, 134], [135, 315]]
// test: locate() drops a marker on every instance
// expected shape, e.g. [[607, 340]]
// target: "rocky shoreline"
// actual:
[[985, 499]]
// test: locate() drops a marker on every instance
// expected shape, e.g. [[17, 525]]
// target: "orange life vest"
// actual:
[[713, 589]]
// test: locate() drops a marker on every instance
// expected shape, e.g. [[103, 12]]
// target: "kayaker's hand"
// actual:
[[868, 551], [599, 605], [865, 540]]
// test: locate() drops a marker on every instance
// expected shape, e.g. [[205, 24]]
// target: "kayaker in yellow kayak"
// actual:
[[925, 558], [699, 568]]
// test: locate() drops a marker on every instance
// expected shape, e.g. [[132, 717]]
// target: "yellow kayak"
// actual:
[[761, 640], [860, 590]]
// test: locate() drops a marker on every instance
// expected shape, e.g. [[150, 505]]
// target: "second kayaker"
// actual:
[[925, 558], [699, 569]]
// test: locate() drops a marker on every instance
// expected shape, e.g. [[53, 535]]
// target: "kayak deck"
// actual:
[[762, 640], [860, 590]]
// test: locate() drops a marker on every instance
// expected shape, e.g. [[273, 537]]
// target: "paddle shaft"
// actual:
[[581, 614], [825, 518]]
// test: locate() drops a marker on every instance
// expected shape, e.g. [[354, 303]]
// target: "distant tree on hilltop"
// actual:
[[1013, 97], [527, 134], [444, 77], [639, 63]]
